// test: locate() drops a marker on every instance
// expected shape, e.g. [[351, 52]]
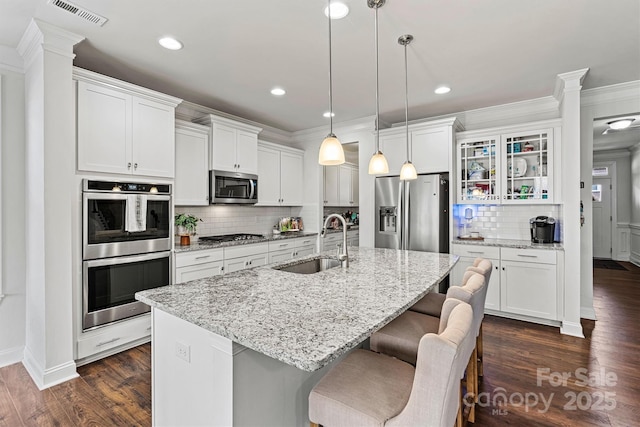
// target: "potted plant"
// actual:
[[186, 225]]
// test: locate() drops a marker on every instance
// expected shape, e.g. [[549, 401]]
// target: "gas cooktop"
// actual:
[[231, 237]]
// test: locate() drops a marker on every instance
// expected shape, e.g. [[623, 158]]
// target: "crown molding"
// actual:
[[11, 60], [568, 82], [366, 124], [613, 93], [40, 34]]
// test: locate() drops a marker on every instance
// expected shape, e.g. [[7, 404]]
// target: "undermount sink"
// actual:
[[310, 266]]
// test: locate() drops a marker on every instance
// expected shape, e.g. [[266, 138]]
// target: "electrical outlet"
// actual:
[[183, 351]]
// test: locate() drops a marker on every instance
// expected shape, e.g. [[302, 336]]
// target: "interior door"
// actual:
[[601, 197]]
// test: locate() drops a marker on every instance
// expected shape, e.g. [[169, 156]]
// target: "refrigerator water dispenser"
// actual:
[[388, 216]]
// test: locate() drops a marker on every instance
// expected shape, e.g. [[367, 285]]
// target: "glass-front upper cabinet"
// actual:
[[478, 165], [527, 165]]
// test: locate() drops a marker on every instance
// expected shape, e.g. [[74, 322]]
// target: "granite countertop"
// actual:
[[201, 244], [306, 320], [511, 243]]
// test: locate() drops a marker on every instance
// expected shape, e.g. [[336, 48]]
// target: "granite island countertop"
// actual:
[[510, 243], [306, 320]]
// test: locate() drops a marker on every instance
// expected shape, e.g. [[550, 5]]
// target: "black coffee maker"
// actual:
[[542, 229]]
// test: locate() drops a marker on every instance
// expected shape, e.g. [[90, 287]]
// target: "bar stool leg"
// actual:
[[312, 424], [472, 385], [459, 417], [479, 346]]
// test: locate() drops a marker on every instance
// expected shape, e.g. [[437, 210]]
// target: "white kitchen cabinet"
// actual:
[[353, 238], [529, 283], [431, 144], [331, 241], [194, 265], [233, 145], [468, 254], [123, 128], [331, 185], [287, 249], [238, 258], [191, 187], [109, 339], [280, 175], [510, 165], [341, 185]]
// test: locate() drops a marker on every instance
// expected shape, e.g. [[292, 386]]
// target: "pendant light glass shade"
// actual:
[[378, 163], [331, 152], [408, 171]]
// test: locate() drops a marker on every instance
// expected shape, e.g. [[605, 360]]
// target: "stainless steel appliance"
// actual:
[[413, 215], [543, 229], [125, 218], [232, 187], [109, 285], [126, 247]]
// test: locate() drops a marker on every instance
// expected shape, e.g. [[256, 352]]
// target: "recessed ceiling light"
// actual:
[[620, 124], [170, 43], [338, 10], [277, 91], [441, 90], [329, 114]]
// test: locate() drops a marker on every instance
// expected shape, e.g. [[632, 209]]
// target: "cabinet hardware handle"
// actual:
[[222, 268], [135, 166], [476, 252], [203, 257], [283, 245], [100, 344], [528, 256], [148, 328], [129, 165], [250, 262]]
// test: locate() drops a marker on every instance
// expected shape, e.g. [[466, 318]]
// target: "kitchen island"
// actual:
[[246, 348]]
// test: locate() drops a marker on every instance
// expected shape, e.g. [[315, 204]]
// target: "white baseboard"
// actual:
[[571, 328], [588, 313], [45, 378], [11, 356]]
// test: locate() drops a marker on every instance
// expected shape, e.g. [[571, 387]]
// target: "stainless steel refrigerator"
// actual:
[[414, 214]]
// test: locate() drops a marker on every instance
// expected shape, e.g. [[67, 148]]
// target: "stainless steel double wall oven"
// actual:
[[126, 234]]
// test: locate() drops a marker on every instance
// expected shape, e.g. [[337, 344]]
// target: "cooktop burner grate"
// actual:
[[231, 237]]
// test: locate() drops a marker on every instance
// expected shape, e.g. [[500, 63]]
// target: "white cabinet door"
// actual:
[[305, 250], [257, 260], [246, 152], [191, 187], [281, 256], [431, 150], [235, 264], [344, 189], [291, 179], [153, 138], [269, 176], [331, 186], [394, 148], [529, 289], [104, 129], [355, 186], [223, 148]]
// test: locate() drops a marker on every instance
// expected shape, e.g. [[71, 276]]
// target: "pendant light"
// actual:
[[331, 152], [378, 163], [408, 171]]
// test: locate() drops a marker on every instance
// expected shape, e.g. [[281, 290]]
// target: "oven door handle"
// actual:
[[126, 259]]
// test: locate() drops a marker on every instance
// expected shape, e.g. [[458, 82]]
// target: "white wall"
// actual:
[[635, 205], [12, 308]]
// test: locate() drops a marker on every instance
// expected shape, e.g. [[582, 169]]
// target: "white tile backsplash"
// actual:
[[229, 219], [505, 221]]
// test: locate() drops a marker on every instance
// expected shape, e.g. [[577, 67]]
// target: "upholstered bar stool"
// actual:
[[431, 303], [401, 336], [372, 389]]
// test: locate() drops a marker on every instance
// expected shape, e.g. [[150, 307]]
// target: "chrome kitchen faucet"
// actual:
[[344, 256]]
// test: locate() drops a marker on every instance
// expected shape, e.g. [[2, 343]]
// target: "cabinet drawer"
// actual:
[[278, 245], [540, 256], [198, 271], [476, 251], [305, 241], [246, 250], [184, 259], [281, 256], [111, 336]]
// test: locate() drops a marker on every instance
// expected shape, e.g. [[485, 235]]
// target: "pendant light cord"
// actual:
[[330, 80], [406, 100], [377, 85]]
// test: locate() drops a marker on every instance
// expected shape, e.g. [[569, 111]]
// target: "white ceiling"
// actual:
[[490, 52], [616, 139]]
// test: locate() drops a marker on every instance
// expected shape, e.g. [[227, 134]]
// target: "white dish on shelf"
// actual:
[[517, 167]]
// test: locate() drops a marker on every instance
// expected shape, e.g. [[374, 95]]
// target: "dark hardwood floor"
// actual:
[[523, 369]]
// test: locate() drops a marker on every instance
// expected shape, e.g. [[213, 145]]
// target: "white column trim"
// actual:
[[1, 194]]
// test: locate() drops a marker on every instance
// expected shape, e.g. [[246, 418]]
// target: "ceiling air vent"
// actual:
[[79, 11]]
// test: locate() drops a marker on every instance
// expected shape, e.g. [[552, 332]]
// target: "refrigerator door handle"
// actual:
[[407, 231]]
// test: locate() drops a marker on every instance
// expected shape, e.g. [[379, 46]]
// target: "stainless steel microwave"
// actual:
[[232, 187]]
